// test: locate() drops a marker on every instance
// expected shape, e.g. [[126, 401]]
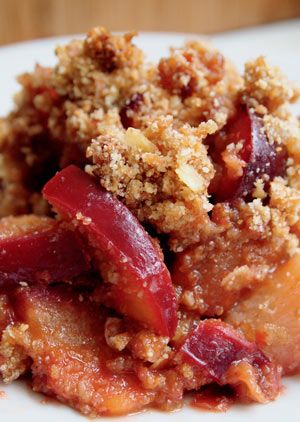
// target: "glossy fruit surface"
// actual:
[[247, 157], [140, 283], [227, 357], [39, 250]]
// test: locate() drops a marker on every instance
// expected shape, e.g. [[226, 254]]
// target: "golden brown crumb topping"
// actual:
[[162, 174], [267, 86], [145, 128], [112, 53]]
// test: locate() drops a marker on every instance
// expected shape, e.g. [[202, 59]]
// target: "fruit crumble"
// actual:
[[149, 231]]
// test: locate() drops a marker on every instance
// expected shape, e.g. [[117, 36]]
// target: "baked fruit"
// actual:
[[149, 229], [269, 316], [39, 250], [140, 283]]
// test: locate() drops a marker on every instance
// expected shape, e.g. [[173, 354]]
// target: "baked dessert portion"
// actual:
[[155, 261]]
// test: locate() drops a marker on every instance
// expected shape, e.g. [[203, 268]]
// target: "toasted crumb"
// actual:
[[267, 86]]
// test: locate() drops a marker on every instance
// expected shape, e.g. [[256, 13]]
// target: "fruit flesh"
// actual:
[[65, 340], [217, 349], [270, 316], [141, 286], [212, 277], [213, 399], [254, 157], [39, 250]]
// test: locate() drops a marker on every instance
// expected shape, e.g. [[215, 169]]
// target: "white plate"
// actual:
[[281, 43]]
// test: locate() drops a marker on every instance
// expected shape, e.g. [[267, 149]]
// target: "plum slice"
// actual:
[[214, 346], [64, 337], [140, 284], [270, 316], [218, 349], [39, 249], [248, 156]]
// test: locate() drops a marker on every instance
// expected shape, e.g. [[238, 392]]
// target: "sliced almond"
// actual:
[[136, 139], [190, 177]]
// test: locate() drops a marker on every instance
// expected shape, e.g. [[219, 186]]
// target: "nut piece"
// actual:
[[190, 177], [136, 139]]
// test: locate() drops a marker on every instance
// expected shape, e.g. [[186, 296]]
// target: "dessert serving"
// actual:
[[149, 230]]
